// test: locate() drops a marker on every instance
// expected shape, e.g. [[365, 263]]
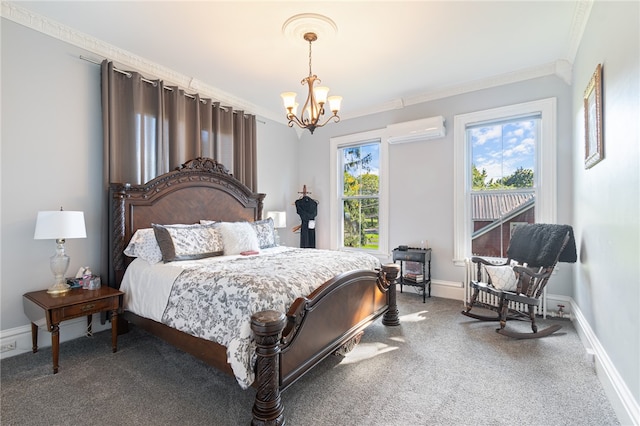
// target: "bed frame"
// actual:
[[329, 320]]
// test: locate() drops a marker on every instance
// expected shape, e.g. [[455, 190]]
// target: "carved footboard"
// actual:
[[315, 326]]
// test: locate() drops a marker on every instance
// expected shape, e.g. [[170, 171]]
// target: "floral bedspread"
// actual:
[[215, 301]]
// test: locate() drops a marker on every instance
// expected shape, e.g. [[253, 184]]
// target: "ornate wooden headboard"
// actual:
[[201, 188]]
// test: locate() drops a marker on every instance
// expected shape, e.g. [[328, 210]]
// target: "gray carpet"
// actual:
[[437, 368]]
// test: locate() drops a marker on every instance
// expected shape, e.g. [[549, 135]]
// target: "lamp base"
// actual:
[[58, 289], [59, 263]]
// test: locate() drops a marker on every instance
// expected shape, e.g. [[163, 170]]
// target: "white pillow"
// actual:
[[502, 277], [143, 244], [238, 237]]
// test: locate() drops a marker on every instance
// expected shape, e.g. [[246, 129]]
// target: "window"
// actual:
[[504, 174], [359, 193], [360, 165], [502, 177]]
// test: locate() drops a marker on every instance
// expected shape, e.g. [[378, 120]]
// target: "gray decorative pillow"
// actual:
[[265, 232], [187, 242], [238, 237], [144, 245]]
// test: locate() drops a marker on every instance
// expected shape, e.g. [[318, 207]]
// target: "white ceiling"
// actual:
[[384, 55]]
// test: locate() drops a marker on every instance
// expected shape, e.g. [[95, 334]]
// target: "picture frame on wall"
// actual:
[[594, 149]]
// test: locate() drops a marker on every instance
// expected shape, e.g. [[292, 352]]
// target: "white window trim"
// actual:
[[545, 179], [336, 143]]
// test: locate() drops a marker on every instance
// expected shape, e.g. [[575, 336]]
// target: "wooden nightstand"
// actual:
[[418, 255], [40, 306]]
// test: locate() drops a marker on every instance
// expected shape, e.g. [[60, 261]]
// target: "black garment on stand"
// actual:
[[307, 208]]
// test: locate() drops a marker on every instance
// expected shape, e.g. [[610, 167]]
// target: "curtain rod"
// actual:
[[128, 74]]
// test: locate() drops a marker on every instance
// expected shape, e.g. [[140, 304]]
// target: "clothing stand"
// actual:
[[304, 193], [307, 209]]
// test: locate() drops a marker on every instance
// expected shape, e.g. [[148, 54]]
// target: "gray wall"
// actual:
[[421, 180], [51, 158], [607, 196], [278, 174]]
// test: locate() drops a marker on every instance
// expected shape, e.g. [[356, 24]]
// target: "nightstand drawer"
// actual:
[[409, 256], [412, 255], [88, 308]]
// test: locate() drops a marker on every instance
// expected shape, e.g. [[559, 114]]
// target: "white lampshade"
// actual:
[[289, 99], [59, 225], [320, 94], [279, 218], [334, 103], [62, 224]]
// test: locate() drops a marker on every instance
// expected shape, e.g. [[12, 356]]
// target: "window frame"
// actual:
[[335, 203], [545, 180]]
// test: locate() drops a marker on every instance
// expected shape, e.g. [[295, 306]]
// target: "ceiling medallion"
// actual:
[[298, 25]]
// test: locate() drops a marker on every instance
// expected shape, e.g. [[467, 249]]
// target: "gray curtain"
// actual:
[[150, 128], [244, 154]]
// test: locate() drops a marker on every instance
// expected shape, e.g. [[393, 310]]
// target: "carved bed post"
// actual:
[[267, 327], [117, 242], [391, 272]]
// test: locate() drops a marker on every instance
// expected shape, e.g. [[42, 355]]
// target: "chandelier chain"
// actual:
[[310, 58]]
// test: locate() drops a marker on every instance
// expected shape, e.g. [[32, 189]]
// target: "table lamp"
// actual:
[[59, 225], [279, 221]]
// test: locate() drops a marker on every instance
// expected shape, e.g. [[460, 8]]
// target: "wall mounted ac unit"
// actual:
[[416, 130]]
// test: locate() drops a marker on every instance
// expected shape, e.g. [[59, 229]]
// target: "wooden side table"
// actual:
[[422, 256], [40, 306]]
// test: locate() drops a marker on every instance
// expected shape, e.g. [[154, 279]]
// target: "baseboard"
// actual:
[[626, 407], [444, 289], [19, 338], [447, 290]]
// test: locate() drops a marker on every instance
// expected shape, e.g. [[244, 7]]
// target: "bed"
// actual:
[[285, 337]]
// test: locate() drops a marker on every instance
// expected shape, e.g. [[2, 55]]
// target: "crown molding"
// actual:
[[374, 109], [36, 22], [560, 68], [486, 83], [578, 24]]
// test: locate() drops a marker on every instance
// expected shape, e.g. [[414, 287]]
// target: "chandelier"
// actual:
[[314, 107]]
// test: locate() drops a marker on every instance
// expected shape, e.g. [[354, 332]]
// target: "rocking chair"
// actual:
[[514, 288]]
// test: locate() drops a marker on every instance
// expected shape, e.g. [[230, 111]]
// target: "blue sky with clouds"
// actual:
[[502, 149], [374, 166]]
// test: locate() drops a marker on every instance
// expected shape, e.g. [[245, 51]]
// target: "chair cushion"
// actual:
[[502, 277]]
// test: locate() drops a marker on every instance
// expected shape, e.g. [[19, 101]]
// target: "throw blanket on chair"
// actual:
[[538, 244]]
